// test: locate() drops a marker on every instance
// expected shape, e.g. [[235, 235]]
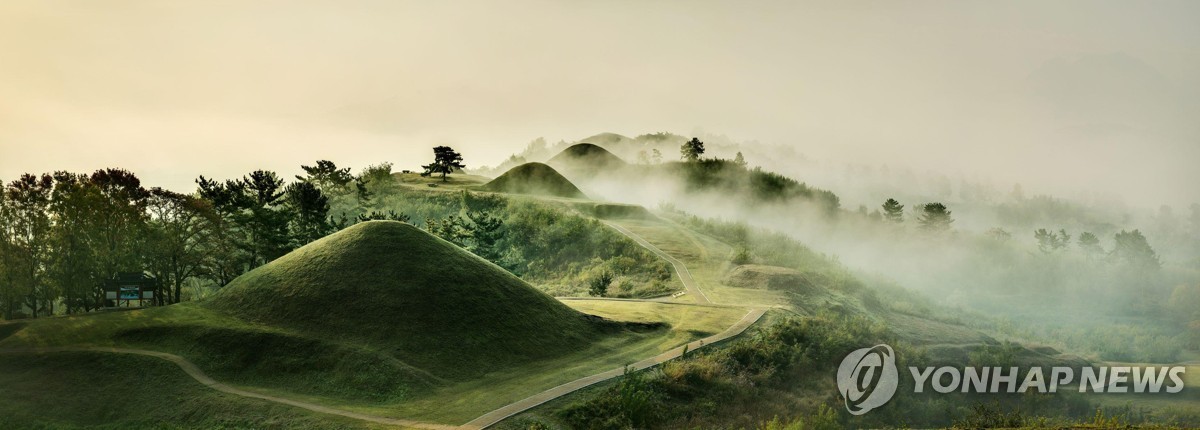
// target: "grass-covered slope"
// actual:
[[91, 390], [402, 290], [534, 178], [586, 156]]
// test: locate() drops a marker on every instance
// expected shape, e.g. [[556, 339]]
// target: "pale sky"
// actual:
[[1071, 94]]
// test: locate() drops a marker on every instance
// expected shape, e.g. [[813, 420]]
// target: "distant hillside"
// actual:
[[426, 301], [751, 185], [586, 153], [606, 139], [586, 160], [534, 178]]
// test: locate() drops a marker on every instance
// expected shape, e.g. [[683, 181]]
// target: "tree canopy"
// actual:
[[445, 161], [692, 149], [935, 217], [893, 211]]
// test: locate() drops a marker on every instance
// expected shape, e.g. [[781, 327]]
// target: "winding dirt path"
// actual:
[[199, 375], [486, 420]]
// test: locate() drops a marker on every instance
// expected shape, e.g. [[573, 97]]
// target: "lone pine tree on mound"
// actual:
[[445, 161], [410, 294]]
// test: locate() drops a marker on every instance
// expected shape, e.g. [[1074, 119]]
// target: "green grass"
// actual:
[[534, 178], [706, 258], [587, 161], [407, 339], [322, 371], [697, 320], [99, 390], [453, 180], [414, 296], [235, 351]]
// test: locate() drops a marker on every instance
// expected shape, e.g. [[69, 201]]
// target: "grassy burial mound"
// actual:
[[534, 178], [405, 292], [586, 159]]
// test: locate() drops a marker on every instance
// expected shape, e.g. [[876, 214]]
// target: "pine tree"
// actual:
[[935, 217], [1133, 249], [1090, 244], [893, 211], [308, 208], [692, 149], [445, 161]]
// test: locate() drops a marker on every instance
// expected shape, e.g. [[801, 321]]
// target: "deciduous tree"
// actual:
[[1132, 248], [28, 229], [179, 227]]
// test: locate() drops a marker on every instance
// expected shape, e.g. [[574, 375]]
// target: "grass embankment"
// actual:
[[402, 290], [536, 179], [385, 319], [70, 390], [453, 180], [587, 161]]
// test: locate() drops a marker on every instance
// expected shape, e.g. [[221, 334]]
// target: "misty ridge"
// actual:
[[1091, 273]]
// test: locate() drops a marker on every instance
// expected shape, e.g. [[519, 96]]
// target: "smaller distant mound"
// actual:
[[607, 138], [534, 178], [768, 278], [588, 152], [586, 156]]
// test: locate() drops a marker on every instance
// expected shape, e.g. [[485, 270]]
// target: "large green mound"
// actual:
[[586, 154], [423, 300], [534, 178]]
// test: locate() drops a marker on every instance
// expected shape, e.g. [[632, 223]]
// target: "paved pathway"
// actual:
[[498, 415], [487, 419]]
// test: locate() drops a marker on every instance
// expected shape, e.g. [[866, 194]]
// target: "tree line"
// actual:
[[63, 234], [1129, 247]]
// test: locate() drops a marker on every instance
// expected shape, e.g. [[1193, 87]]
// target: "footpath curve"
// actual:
[[199, 375], [484, 421], [685, 275], [493, 417]]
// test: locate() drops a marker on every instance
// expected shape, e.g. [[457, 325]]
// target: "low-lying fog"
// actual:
[[1069, 98], [1092, 101]]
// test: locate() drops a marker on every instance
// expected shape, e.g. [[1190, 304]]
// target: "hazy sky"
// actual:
[[1073, 95]]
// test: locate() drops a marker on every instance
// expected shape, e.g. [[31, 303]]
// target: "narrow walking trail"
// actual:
[[685, 276], [523, 405], [199, 375], [484, 421]]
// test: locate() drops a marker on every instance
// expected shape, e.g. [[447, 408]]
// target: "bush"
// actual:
[[598, 287]]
